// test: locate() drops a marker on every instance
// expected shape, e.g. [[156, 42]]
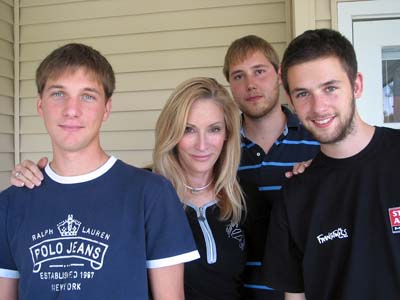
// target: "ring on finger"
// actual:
[[17, 174]]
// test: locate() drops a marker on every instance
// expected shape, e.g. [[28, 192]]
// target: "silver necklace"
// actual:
[[194, 190]]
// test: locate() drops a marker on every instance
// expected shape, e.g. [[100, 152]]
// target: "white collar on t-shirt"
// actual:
[[81, 178]]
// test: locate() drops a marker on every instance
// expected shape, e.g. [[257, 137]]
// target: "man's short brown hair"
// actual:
[[243, 47], [72, 56]]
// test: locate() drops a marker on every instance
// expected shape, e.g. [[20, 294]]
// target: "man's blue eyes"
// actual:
[[88, 97], [301, 94], [84, 97], [329, 89]]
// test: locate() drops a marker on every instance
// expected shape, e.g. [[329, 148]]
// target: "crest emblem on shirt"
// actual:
[[70, 244], [394, 216]]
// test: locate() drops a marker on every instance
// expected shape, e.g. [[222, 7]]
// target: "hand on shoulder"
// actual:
[[28, 174], [298, 168]]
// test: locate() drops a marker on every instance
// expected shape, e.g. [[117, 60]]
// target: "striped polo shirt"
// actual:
[[266, 171]]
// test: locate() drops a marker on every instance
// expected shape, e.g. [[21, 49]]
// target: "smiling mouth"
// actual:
[[323, 122], [201, 158]]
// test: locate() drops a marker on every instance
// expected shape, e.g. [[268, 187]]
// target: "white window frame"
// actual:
[[349, 12]]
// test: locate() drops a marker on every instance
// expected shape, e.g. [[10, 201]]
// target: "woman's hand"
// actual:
[[298, 168], [28, 173]]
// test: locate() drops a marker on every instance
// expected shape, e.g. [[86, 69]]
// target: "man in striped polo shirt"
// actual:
[[273, 140]]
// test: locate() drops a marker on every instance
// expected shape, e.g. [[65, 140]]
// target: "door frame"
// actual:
[[349, 12], [356, 12]]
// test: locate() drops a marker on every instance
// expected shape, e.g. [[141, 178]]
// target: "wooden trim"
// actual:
[[289, 21], [303, 16], [16, 83], [334, 14]]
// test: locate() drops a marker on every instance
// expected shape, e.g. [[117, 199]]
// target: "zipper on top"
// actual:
[[211, 248]]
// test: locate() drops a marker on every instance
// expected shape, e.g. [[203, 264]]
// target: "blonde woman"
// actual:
[[198, 149]]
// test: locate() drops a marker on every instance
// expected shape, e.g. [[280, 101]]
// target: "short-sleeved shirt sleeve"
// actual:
[[164, 217], [8, 268]]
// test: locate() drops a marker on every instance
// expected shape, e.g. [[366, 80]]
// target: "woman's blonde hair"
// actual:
[[169, 131]]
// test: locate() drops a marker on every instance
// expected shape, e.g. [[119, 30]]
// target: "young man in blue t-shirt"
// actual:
[[96, 228]]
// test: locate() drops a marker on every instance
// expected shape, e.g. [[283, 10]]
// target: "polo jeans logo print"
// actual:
[[74, 254]]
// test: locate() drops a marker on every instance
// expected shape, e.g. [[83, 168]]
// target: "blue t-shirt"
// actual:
[[92, 236]]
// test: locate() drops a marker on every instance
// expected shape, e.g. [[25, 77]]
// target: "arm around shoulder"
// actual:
[[166, 282], [28, 173], [8, 288]]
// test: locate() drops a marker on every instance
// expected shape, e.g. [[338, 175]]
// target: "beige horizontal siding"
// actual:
[[28, 3], [6, 12], [150, 61], [323, 14], [152, 45], [4, 179], [6, 86], [155, 22], [323, 24], [162, 41], [142, 81], [9, 2], [6, 161], [6, 91], [6, 50], [35, 156], [34, 12], [6, 31], [6, 105], [6, 68], [7, 142], [7, 124]]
